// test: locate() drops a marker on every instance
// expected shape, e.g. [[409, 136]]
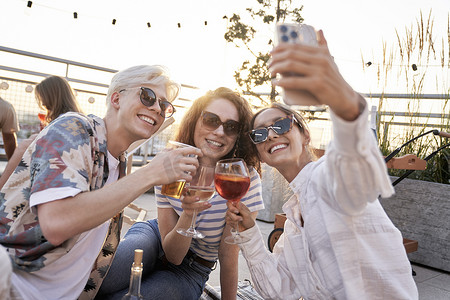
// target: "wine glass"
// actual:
[[42, 115], [201, 186], [232, 181]]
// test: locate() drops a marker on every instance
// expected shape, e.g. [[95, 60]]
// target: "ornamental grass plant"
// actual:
[[419, 60]]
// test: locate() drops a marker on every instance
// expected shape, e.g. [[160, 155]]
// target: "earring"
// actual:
[[235, 148]]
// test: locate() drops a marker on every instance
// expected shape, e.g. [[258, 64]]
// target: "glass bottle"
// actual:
[[134, 291]]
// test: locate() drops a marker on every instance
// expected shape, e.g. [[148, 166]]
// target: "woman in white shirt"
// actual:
[[338, 242]]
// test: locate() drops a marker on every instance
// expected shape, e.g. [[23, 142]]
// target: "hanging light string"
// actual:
[[413, 66], [147, 23], [76, 15]]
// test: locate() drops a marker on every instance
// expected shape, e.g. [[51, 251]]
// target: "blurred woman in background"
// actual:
[[56, 97]]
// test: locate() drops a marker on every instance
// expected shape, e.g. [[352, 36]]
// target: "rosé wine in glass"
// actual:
[[232, 181], [232, 187]]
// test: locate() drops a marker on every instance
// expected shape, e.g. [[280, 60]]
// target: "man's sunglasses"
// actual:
[[280, 127], [212, 122], [148, 98]]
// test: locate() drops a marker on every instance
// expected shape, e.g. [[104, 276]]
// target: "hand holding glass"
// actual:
[[232, 182], [201, 186], [42, 115], [174, 189]]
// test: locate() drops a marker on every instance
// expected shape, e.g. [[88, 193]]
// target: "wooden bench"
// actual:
[[408, 162]]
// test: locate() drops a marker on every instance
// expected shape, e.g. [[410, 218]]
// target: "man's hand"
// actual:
[[171, 165]]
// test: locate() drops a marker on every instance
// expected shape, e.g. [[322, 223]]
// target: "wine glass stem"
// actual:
[[236, 227], [194, 217]]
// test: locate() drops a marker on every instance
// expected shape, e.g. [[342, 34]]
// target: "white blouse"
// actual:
[[348, 248]]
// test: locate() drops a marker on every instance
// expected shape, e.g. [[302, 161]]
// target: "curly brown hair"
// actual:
[[243, 146]]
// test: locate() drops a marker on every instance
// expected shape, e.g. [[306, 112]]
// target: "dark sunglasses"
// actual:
[[212, 122], [280, 127], [148, 98]]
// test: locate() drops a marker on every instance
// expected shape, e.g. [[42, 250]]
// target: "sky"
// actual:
[[197, 54]]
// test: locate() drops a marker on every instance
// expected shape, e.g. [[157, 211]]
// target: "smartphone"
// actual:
[[297, 34]]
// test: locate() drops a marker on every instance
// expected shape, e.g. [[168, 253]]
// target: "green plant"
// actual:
[[253, 73], [409, 64]]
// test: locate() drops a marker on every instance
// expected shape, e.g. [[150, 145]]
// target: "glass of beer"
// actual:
[[175, 189]]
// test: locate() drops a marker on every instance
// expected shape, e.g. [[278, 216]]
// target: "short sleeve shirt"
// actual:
[[8, 117], [69, 153]]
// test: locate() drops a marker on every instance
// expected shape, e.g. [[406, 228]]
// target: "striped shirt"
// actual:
[[211, 222]]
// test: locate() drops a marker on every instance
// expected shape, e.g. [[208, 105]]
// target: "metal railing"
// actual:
[[92, 97], [392, 125], [17, 87]]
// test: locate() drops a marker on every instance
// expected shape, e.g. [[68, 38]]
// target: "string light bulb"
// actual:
[[4, 85], [75, 15], [149, 25], [114, 21]]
